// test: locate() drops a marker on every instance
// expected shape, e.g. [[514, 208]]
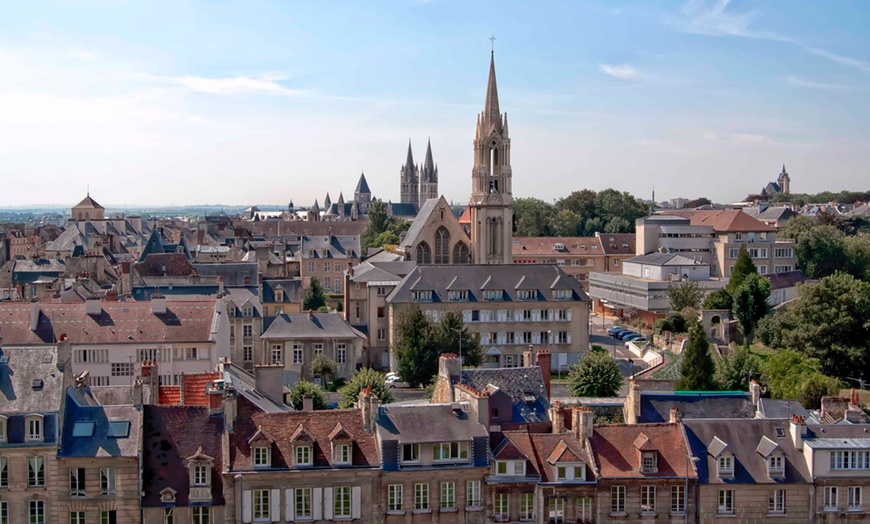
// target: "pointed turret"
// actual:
[[491, 114], [505, 125], [783, 170], [429, 164], [362, 187], [477, 128], [341, 199], [409, 160], [316, 207], [327, 202]]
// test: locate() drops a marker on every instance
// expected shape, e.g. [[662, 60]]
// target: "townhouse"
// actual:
[[326, 258]]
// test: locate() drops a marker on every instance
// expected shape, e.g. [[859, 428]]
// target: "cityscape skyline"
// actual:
[[297, 101]]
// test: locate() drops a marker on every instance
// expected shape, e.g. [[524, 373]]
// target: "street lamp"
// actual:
[[691, 459]]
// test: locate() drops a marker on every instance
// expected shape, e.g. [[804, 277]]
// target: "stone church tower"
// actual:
[[428, 177], [491, 204], [410, 181], [784, 181]]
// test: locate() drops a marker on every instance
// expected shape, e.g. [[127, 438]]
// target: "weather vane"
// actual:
[[492, 42]]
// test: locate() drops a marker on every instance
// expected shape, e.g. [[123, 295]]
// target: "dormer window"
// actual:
[[491, 294], [450, 451], [422, 296], [458, 295], [200, 475], [200, 466], [527, 294], [411, 453], [649, 462], [725, 466], [569, 472], [510, 467], [562, 294], [34, 428], [342, 454], [279, 295], [167, 496], [775, 465], [247, 311], [303, 455], [262, 457], [559, 247]]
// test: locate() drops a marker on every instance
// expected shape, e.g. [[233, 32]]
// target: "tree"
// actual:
[[857, 251], [821, 251], [324, 367], [750, 305], [742, 267], [363, 378], [566, 223], [791, 375], [313, 298], [532, 217], [696, 368], [415, 347], [378, 223], [719, 299], [449, 332], [301, 388], [734, 369], [580, 202], [683, 294], [595, 375]]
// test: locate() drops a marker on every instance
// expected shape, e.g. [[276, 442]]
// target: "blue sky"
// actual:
[[243, 102]]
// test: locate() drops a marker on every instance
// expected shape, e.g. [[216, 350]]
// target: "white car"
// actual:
[[395, 381]]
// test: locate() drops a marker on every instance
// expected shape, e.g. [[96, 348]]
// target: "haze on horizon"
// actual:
[[241, 103]]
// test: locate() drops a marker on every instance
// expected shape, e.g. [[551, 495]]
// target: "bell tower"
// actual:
[[491, 204]]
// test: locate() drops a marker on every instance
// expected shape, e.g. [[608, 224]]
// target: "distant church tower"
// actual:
[[428, 177], [410, 181], [784, 181], [491, 202]]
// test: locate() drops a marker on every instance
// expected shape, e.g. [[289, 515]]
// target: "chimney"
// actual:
[[269, 380], [158, 304], [543, 361], [364, 404], [528, 357], [582, 420], [632, 403], [220, 286], [307, 402], [34, 314], [137, 393], [63, 351], [229, 405], [755, 392], [374, 408], [557, 416], [797, 428], [94, 306], [150, 382], [449, 367], [675, 415]]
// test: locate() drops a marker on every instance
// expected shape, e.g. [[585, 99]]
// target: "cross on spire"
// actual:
[[492, 40]]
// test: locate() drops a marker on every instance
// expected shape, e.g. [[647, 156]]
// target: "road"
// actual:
[[598, 335]]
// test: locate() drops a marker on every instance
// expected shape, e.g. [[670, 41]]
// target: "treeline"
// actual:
[[843, 197], [582, 213], [828, 243]]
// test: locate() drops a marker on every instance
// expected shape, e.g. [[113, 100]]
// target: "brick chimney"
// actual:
[[449, 367], [557, 417], [529, 357], [632, 403], [675, 415], [582, 420], [755, 392], [269, 380], [543, 361], [797, 428]]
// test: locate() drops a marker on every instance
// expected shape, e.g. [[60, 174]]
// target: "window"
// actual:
[[726, 502], [4, 474], [678, 499], [75, 517], [2, 428], [584, 509], [527, 506], [776, 502], [527, 294], [297, 353], [783, 269], [493, 294], [327, 266], [510, 467], [617, 499], [775, 464], [782, 252], [37, 512], [311, 266], [303, 503], [458, 295], [421, 296], [733, 252], [261, 457], [200, 475], [649, 462], [4, 512], [854, 499], [472, 493], [762, 269], [261, 505], [562, 294], [850, 460], [168, 515], [318, 349], [450, 451], [342, 454], [382, 334], [247, 330], [502, 505], [341, 353], [383, 291], [107, 482], [442, 246], [35, 472], [831, 502], [726, 465], [303, 455], [77, 482], [34, 427], [108, 517], [248, 353], [410, 452], [341, 502], [247, 311], [276, 356], [448, 495], [421, 497], [337, 285], [201, 514], [648, 499], [394, 498], [557, 511], [122, 369], [424, 254]]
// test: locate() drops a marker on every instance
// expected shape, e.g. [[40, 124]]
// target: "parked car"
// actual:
[[391, 374], [615, 329], [640, 342], [631, 336], [396, 382], [622, 334]]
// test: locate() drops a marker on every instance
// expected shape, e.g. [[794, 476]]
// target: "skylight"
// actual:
[[83, 430], [119, 429]]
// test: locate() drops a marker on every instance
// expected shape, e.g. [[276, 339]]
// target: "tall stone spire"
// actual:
[[429, 164], [428, 177], [409, 181], [491, 113], [409, 161]]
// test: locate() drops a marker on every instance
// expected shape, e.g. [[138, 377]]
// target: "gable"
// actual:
[[434, 214]]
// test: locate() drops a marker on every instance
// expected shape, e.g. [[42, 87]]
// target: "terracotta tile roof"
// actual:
[[465, 217], [517, 445], [723, 220], [618, 457], [118, 323], [165, 265], [283, 427], [538, 246], [195, 386], [170, 435], [617, 243], [170, 396], [554, 448]]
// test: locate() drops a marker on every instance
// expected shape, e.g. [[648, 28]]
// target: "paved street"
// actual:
[[598, 335]]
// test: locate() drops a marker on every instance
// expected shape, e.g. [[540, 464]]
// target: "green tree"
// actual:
[[313, 298], [696, 368], [532, 217], [742, 268], [566, 223], [595, 375], [857, 252], [719, 299], [324, 367], [415, 346], [363, 378], [301, 388], [685, 293], [792, 375], [377, 224], [734, 369], [698, 202], [579, 202], [750, 305], [450, 331], [821, 251]]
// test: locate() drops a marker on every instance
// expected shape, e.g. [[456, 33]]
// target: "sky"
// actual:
[[266, 102]]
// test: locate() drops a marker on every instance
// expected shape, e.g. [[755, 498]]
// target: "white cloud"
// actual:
[[714, 18], [234, 85], [854, 63], [623, 72], [803, 82]]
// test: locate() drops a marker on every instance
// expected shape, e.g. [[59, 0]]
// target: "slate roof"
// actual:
[[775, 213], [663, 259], [164, 265], [513, 382], [282, 426], [362, 186], [656, 407], [314, 325], [538, 246], [745, 439], [118, 323], [428, 423], [723, 220], [239, 296], [335, 246], [109, 437], [89, 202], [388, 271], [477, 277], [419, 223], [246, 387], [233, 273], [22, 367], [617, 457], [292, 290], [776, 408], [170, 435], [403, 209]]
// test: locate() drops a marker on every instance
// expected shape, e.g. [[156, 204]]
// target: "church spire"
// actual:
[[491, 114], [409, 161], [429, 163]]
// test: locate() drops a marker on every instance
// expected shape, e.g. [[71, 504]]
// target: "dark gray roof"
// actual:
[[370, 271], [234, 273], [403, 209], [420, 221], [20, 369], [664, 259], [362, 186], [656, 407], [429, 423], [515, 383], [239, 296], [476, 277], [745, 437], [770, 213], [336, 246], [109, 431], [245, 385], [292, 288], [787, 279], [776, 408], [308, 326]]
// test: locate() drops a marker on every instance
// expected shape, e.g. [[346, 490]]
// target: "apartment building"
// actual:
[[326, 258], [511, 306], [282, 295], [245, 313], [577, 256]]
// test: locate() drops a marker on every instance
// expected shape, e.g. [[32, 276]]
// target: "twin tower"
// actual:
[[419, 183]]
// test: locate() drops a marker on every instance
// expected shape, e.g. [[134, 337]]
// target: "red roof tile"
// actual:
[[170, 396], [617, 243], [465, 217], [723, 220], [196, 386], [553, 448], [617, 456], [538, 246]]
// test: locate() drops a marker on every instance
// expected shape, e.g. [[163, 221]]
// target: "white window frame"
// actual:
[[472, 494], [776, 502], [395, 502], [725, 502], [34, 427], [647, 499], [302, 501], [501, 504], [4, 473], [343, 454], [831, 501], [35, 472], [302, 455], [341, 502], [421, 497], [108, 482], [527, 506], [261, 509], [448, 495], [76, 482], [262, 456], [855, 498], [678, 500], [36, 512], [725, 465], [617, 500]]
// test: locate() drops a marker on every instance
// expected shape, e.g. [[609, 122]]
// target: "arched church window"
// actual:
[[461, 254], [442, 246], [424, 254]]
